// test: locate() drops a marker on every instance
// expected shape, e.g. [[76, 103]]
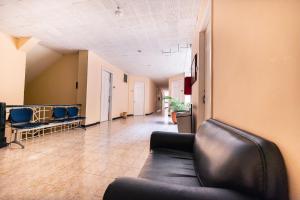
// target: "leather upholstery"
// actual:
[[218, 163], [175, 141], [143, 189], [169, 166], [231, 158]]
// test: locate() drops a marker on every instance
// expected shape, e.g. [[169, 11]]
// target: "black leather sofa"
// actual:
[[218, 163]]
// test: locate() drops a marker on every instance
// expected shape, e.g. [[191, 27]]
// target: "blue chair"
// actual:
[[59, 114], [20, 118], [72, 113], [20, 115]]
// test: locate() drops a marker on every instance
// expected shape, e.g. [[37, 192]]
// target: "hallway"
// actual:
[[78, 164]]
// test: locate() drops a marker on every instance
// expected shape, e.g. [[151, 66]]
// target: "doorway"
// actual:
[[208, 74], [139, 98], [106, 93], [204, 107], [177, 89]]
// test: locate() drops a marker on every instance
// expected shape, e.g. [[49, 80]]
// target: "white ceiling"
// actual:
[[152, 26]]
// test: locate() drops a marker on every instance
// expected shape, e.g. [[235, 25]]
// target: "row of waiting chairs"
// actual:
[[21, 119]]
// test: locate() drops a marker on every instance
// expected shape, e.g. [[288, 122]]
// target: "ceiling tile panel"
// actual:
[[148, 25]]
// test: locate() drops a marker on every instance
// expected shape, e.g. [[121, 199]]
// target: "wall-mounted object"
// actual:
[[118, 12], [2, 125], [188, 85], [125, 78], [194, 69]]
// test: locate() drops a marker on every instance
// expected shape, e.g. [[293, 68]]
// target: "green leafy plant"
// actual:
[[176, 105]]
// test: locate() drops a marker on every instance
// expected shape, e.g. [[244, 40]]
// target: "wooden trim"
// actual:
[[212, 115], [89, 125], [117, 118]]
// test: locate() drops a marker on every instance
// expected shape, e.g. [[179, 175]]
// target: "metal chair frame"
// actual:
[[42, 113]]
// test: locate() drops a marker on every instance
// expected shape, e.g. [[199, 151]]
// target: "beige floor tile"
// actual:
[[77, 164]]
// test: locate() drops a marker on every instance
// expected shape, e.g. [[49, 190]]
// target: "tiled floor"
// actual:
[[77, 164]]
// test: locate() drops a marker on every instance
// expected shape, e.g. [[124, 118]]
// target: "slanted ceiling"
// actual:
[[38, 59], [151, 26]]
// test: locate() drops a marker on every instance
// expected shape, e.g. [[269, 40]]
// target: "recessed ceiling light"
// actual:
[[118, 11], [139, 51]]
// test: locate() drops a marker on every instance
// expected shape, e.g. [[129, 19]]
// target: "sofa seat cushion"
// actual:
[[170, 166]]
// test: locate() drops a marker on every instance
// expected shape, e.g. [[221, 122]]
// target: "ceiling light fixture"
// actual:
[[118, 11], [173, 51]]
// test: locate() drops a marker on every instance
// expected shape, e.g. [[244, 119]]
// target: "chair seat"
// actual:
[[67, 119], [27, 125], [58, 120], [169, 166], [75, 118]]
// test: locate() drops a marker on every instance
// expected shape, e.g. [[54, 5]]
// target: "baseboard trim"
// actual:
[[130, 115], [89, 125], [116, 118]]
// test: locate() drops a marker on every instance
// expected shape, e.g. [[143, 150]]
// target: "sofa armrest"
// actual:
[[182, 142], [143, 189]]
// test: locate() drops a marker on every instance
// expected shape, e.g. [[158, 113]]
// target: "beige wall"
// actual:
[[12, 69], [55, 85], [152, 97], [159, 99], [150, 93], [256, 68], [119, 92], [82, 80]]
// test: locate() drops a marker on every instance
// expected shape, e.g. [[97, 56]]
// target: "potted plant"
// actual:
[[176, 106]]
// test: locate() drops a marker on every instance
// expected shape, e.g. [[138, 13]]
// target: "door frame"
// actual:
[[208, 63], [110, 94], [208, 73], [144, 110], [181, 90]]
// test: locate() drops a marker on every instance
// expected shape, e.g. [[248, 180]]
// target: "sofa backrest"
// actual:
[[230, 158]]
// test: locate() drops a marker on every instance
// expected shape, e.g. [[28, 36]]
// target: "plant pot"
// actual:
[[173, 115]]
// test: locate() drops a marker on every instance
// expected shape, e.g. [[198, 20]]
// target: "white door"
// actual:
[[178, 90], [139, 98], [105, 96]]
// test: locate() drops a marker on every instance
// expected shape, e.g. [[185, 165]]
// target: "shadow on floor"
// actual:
[[162, 122]]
